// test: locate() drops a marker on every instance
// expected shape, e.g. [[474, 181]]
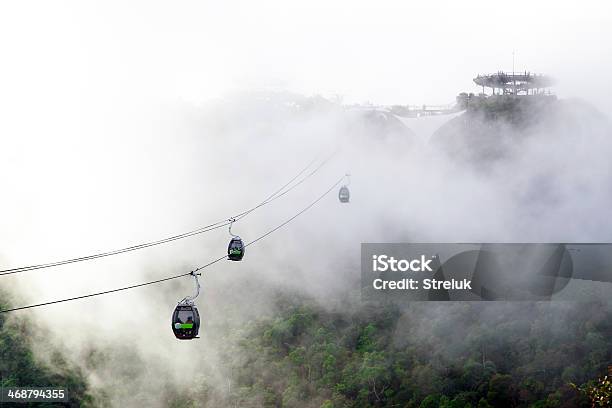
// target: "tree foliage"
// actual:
[[311, 357], [19, 368]]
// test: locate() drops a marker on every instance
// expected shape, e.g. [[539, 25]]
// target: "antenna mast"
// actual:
[[513, 76]]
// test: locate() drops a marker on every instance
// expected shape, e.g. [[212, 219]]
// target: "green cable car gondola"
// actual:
[[186, 321], [235, 249], [186, 318]]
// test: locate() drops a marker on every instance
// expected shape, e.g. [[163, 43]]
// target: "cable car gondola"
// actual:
[[186, 318], [235, 249], [186, 321], [344, 194]]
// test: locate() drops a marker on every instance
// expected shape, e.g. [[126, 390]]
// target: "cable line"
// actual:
[[274, 195], [183, 274], [286, 188]]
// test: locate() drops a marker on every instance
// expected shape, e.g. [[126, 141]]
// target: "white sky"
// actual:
[[380, 51]]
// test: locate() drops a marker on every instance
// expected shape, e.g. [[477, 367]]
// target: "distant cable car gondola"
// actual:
[[186, 319], [344, 194], [235, 249]]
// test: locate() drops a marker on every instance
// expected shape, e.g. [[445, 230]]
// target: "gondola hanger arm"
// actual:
[[232, 221]]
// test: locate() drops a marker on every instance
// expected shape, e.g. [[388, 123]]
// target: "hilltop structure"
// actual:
[[506, 88], [502, 83]]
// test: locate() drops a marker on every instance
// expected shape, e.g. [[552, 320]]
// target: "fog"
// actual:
[[127, 123], [394, 52]]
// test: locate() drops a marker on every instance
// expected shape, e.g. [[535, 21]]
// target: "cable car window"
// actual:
[[185, 317]]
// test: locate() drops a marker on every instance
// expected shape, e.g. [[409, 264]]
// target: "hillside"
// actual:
[[460, 356], [497, 127], [20, 367]]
